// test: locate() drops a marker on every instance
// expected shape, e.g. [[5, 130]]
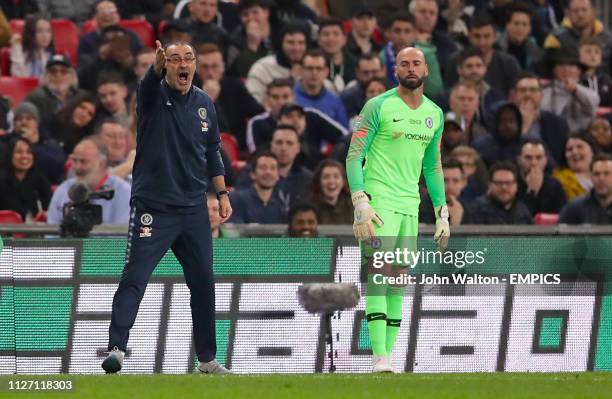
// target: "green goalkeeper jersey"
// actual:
[[397, 142]]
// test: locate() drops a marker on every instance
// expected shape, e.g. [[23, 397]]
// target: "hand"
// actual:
[[363, 228], [455, 210], [15, 39], [104, 51], [570, 84], [29, 134], [212, 88], [225, 208], [160, 58], [534, 180], [442, 233]]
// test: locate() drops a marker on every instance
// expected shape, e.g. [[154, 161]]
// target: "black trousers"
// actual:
[[151, 234]]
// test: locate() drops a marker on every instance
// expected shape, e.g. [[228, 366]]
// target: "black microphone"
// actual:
[[78, 193]]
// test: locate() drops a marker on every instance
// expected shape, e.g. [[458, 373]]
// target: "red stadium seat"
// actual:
[[231, 148], [8, 216], [17, 88], [546, 219], [12, 217], [5, 61], [142, 28], [17, 25], [66, 38]]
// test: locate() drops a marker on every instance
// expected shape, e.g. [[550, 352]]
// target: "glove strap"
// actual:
[[359, 197], [441, 212]]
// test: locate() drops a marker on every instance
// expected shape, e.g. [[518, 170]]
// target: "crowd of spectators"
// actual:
[[525, 86]]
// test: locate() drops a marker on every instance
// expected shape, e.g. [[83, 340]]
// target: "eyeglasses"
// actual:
[[507, 183], [179, 60]]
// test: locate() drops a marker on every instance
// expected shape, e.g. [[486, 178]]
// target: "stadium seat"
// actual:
[[66, 38], [546, 219], [17, 88], [9, 216], [12, 217], [231, 148], [17, 25], [142, 28], [5, 61]]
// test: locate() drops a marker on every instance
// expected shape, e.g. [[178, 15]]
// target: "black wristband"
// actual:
[[222, 192]]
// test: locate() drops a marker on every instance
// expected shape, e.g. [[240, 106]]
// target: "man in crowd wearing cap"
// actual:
[[453, 135], [363, 25], [538, 123], [540, 192], [58, 84], [90, 161], [253, 38], [596, 206], [279, 94], [47, 152], [106, 14], [311, 91], [565, 96], [114, 56], [580, 21]]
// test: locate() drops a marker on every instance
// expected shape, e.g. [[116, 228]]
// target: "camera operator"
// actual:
[[89, 161]]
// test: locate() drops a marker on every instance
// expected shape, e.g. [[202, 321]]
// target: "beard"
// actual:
[[410, 84]]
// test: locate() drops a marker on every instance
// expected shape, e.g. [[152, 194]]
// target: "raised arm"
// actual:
[[148, 88]]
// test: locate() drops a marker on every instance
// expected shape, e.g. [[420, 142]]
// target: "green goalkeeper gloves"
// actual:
[[442, 227], [363, 228]]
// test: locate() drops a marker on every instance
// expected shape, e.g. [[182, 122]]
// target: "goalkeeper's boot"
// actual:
[[113, 361], [382, 364], [212, 367]]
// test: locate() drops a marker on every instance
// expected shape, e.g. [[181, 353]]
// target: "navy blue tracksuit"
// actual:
[[177, 149]]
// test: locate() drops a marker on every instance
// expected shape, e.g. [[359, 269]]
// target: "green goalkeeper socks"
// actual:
[[376, 315], [395, 301]]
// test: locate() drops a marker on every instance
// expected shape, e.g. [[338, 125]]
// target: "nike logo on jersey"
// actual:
[[397, 120], [168, 103]]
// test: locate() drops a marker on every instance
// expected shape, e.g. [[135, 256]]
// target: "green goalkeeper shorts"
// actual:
[[399, 231]]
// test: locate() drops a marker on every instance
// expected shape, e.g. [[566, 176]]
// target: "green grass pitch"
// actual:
[[592, 385]]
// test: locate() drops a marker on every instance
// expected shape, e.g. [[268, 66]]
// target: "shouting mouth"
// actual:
[[183, 77]]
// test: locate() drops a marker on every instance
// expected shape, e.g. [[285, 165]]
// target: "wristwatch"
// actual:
[[222, 192]]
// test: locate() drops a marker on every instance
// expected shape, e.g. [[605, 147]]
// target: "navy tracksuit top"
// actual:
[[177, 144]]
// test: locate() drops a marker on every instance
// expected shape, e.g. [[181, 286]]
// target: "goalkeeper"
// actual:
[[398, 134]]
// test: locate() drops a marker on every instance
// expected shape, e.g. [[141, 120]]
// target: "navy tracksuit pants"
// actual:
[[151, 234]]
